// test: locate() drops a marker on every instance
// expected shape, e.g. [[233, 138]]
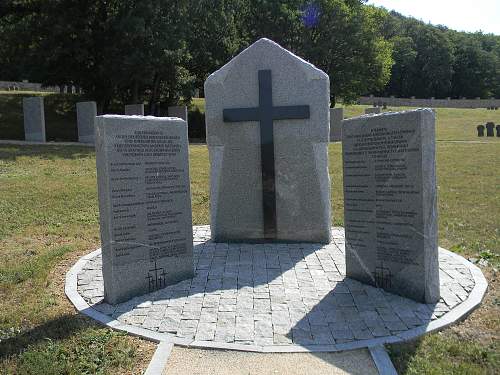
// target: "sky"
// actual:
[[460, 15]]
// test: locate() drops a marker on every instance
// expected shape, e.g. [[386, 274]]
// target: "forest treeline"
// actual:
[[161, 50]]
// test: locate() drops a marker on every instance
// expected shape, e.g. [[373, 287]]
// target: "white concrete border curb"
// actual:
[[461, 311], [160, 358], [382, 361]]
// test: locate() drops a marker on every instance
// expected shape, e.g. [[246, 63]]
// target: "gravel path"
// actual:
[[184, 361]]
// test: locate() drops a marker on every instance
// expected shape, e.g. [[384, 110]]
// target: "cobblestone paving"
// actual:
[[276, 294]]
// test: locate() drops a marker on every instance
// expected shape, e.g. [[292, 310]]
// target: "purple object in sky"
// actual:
[[310, 15]]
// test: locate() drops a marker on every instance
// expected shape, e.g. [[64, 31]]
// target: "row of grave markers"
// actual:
[[86, 112], [336, 118], [490, 132], [267, 118], [34, 120]]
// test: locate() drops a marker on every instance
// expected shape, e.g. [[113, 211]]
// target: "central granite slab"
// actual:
[[268, 126]]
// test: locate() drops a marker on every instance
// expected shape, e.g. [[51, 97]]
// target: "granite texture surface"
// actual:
[[34, 119], [144, 204], [372, 110], [134, 109], [390, 200], [302, 184], [336, 117], [86, 113], [179, 111]]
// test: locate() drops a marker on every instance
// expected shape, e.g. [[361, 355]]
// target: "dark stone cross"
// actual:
[[382, 276], [480, 130], [154, 281], [265, 114]]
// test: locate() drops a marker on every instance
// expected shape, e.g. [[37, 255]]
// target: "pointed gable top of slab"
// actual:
[[259, 53]]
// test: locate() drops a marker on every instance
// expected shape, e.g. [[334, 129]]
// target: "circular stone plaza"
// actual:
[[276, 298]]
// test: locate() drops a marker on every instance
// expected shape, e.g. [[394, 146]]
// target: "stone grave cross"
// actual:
[[265, 114], [269, 181]]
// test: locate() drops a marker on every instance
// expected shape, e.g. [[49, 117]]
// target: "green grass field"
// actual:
[[50, 218]]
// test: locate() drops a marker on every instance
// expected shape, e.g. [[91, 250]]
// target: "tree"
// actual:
[[124, 49], [404, 55], [340, 37], [476, 70], [433, 67], [215, 35], [15, 20]]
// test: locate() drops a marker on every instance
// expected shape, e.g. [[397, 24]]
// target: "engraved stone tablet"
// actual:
[[336, 117], [144, 204], [85, 117], [134, 109], [34, 119], [267, 117], [372, 110], [179, 111], [390, 202]]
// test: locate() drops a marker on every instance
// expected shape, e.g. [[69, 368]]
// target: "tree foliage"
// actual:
[[433, 61], [160, 50], [340, 37]]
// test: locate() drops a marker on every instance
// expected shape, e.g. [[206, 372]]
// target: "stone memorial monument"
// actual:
[[179, 111], [336, 117], [498, 130], [34, 119], [85, 117], [480, 130], [144, 204], [134, 109], [267, 117], [372, 110], [490, 129], [390, 202]]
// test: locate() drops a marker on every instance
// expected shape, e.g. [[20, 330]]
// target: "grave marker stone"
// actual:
[[498, 130], [144, 204], [480, 130], [134, 109], [34, 119], [179, 111], [85, 117], [390, 202], [268, 133], [490, 129], [373, 110], [336, 117]]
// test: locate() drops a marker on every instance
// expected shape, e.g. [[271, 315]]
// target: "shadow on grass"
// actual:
[[56, 329], [46, 152]]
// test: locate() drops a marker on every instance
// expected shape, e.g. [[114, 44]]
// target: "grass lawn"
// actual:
[[50, 218], [60, 117]]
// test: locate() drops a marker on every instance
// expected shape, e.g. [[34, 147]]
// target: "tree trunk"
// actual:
[[333, 100], [154, 94], [135, 91]]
